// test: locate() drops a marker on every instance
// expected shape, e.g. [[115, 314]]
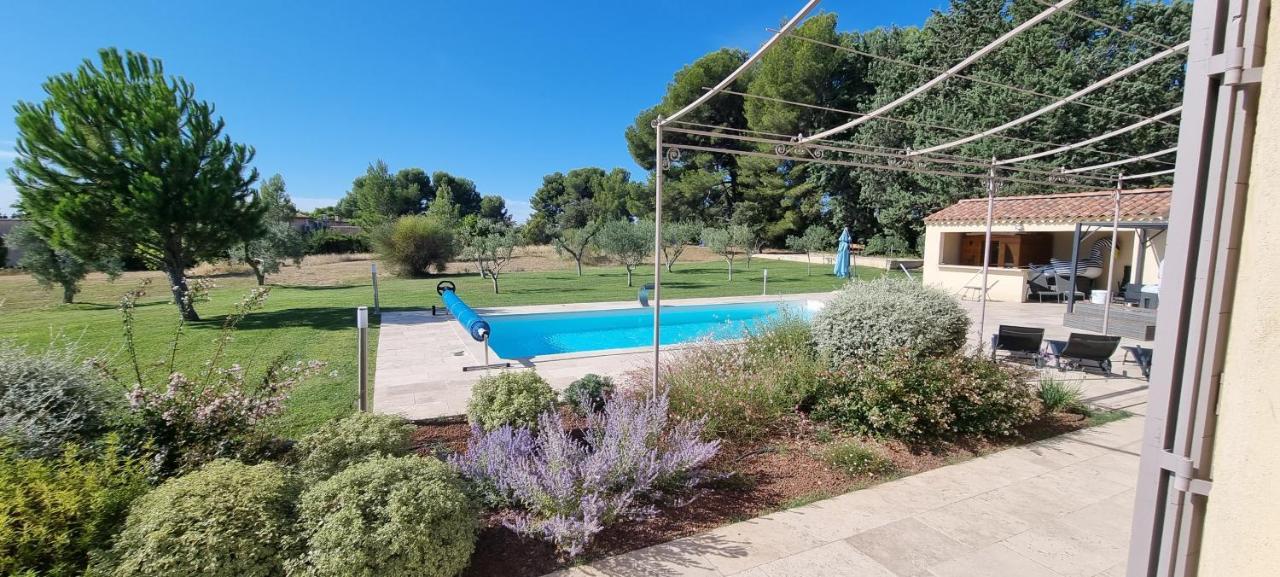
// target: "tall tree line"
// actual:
[[379, 196], [1056, 57]]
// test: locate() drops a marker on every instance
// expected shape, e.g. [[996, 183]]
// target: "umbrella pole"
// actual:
[[986, 257]]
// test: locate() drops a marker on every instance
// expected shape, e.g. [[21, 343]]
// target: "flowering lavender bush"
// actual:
[[564, 489]]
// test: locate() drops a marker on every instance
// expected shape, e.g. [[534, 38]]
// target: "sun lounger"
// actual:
[[1082, 349], [1019, 342]]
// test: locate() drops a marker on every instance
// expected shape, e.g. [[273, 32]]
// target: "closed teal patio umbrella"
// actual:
[[842, 255]]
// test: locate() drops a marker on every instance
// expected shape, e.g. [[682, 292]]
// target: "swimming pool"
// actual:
[[521, 336]]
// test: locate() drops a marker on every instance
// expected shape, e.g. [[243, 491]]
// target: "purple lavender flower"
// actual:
[[566, 490]]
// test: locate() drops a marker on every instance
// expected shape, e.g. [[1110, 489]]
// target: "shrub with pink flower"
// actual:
[[190, 422], [185, 420]]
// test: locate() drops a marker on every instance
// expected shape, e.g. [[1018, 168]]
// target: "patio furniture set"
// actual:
[[1079, 351]]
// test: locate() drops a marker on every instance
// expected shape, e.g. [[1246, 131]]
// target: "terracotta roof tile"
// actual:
[[1135, 205]]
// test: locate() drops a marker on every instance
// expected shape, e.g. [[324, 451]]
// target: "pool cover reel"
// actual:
[[466, 317]]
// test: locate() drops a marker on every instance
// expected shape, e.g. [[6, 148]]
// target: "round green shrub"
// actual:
[[418, 244], [587, 395], [927, 399], [56, 512], [871, 319], [49, 399], [513, 398], [339, 443], [226, 519], [387, 517]]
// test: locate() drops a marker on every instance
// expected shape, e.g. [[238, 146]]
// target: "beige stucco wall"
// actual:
[[1242, 524]]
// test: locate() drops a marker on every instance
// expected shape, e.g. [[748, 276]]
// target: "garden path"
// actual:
[[1056, 508]]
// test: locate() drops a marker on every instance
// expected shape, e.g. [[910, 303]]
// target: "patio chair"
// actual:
[[1038, 283], [1019, 342], [1062, 285], [1079, 349], [1133, 294]]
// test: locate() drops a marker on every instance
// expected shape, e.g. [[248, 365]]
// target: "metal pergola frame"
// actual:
[[818, 148], [1225, 57]]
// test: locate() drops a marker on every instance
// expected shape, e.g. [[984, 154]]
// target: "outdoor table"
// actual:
[[1055, 347]]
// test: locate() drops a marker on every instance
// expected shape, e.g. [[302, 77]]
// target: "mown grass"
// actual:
[[317, 321]]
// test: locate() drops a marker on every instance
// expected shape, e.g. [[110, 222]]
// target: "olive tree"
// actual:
[[816, 238], [677, 236], [575, 230], [52, 266], [279, 242], [628, 243], [728, 242], [121, 158], [493, 246]]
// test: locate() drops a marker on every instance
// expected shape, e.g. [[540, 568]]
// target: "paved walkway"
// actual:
[[1056, 508]]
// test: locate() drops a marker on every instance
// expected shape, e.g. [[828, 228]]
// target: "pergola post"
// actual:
[[1075, 260], [986, 255], [1140, 266], [1111, 258], [657, 252]]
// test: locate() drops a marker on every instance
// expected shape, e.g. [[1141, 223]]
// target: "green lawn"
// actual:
[[317, 322]]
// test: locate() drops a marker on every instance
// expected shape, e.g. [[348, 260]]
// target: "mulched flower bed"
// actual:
[[782, 472]]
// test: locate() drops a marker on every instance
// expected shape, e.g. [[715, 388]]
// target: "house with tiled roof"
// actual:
[[1028, 232]]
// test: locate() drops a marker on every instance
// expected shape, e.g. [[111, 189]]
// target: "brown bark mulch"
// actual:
[[782, 472]]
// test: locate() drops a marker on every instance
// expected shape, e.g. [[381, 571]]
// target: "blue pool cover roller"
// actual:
[[466, 317]]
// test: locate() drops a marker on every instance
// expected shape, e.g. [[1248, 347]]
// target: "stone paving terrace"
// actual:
[[1055, 508]]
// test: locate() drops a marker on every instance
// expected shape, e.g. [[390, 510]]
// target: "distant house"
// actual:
[[1030, 231], [13, 254], [306, 223]]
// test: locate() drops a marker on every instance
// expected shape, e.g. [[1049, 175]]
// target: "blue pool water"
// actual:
[[521, 336]]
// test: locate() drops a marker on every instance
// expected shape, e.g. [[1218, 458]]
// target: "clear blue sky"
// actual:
[[500, 92]]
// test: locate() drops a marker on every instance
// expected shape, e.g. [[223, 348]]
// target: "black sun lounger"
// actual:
[[1082, 349], [1019, 342]]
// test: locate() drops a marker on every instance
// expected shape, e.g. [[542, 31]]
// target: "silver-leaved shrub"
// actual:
[[387, 517], [224, 519], [565, 489], [51, 398], [341, 442], [873, 319]]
